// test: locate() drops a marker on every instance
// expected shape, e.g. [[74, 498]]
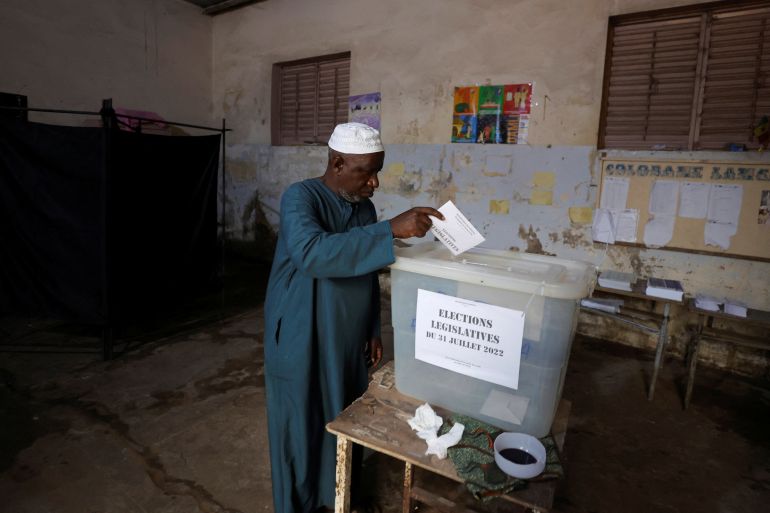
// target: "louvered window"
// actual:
[[310, 97], [687, 78]]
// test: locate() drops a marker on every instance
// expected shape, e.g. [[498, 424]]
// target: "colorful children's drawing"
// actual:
[[489, 129], [490, 111], [365, 108], [518, 98], [509, 128], [490, 99], [466, 100], [464, 128], [492, 114]]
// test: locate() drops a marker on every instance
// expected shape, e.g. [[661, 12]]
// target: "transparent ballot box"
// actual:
[[546, 289]]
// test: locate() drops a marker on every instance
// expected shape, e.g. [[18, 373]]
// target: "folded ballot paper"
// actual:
[[455, 231]]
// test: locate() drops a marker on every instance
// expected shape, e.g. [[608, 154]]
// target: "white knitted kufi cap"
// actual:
[[355, 138]]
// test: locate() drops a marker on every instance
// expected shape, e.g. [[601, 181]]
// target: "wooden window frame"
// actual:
[[707, 13], [277, 114]]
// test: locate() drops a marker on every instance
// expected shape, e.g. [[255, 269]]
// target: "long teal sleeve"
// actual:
[[321, 253]]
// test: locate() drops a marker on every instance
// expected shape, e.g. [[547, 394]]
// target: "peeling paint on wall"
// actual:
[[581, 215], [255, 227], [443, 189], [433, 174], [397, 180], [518, 198], [409, 133], [544, 180], [543, 183], [497, 166], [499, 206], [576, 238], [533, 242], [395, 169], [539, 197], [241, 171], [461, 160]]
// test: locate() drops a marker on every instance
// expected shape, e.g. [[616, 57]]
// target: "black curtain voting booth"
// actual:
[[52, 222], [162, 219], [103, 226]]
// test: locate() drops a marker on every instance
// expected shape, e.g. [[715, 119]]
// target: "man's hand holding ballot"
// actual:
[[454, 230]]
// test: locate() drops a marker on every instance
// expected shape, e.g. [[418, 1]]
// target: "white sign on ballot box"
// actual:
[[475, 339]]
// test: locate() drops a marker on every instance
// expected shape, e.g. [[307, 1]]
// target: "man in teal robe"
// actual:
[[322, 310]]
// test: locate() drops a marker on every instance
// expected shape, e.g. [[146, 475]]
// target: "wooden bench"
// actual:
[[649, 321], [705, 330]]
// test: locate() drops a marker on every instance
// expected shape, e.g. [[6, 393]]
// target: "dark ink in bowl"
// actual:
[[518, 456]]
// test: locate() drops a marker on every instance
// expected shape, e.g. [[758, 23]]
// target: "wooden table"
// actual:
[[706, 330], [378, 420], [647, 321]]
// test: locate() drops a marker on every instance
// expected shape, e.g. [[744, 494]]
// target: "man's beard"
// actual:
[[350, 198]]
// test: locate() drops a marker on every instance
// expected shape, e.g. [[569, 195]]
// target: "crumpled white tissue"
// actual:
[[427, 423], [439, 446]]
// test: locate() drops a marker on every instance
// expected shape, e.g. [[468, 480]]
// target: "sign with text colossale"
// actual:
[[472, 338]]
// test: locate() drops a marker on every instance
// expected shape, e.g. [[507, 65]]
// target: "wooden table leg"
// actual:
[[693, 362], [344, 465], [660, 350], [406, 504]]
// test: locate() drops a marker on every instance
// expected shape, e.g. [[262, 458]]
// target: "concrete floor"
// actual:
[[178, 425]]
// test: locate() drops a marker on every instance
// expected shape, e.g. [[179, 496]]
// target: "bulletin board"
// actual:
[[750, 223]]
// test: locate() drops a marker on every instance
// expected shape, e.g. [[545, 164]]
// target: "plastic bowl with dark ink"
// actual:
[[519, 455]]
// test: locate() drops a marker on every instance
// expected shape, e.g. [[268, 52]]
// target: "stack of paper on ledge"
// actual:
[[665, 289], [735, 308], [605, 305], [617, 280], [709, 303]]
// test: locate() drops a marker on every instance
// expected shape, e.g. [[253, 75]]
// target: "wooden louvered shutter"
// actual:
[[687, 78], [652, 84], [736, 79], [333, 83], [298, 98], [309, 98]]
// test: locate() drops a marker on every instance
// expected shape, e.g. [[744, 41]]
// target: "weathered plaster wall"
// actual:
[[150, 55], [414, 53], [493, 186]]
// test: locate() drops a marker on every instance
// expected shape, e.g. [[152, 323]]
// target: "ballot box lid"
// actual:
[[523, 272]]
